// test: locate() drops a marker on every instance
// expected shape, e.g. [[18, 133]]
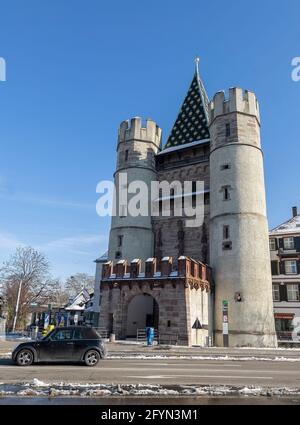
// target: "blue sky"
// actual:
[[76, 69]]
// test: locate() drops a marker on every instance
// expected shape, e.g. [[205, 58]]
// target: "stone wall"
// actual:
[[172, 237], [181, 296]]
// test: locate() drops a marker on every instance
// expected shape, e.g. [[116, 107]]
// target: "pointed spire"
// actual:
[[191, 124], [197, 61]]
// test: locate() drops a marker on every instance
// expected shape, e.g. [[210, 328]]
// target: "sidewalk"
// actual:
[[131, 349]]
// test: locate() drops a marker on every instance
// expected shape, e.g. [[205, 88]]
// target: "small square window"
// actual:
[[227, 246], [118, 255], [225, 167]]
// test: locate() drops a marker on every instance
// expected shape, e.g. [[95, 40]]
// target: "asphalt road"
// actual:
[[165, 372], [146, 401]]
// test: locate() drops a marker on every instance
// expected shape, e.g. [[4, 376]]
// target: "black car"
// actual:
[[71, 343]]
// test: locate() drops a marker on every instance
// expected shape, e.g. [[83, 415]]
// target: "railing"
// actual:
[[284, 336], [103, 332], [287, 338], [168, 339]]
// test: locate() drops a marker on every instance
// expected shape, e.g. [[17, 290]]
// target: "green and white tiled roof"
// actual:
[[191, 124]]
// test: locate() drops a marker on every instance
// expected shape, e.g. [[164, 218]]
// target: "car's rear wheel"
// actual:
[[91, 358], [24, 358]]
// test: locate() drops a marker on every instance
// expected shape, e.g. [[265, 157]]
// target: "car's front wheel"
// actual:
[[91, 358], [24, 358]]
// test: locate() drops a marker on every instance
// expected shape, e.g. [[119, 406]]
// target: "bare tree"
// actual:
[[26, 280], [59, 296], [74, 284]]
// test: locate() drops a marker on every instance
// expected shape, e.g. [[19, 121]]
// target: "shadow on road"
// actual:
[[6, 362], [10, 362]]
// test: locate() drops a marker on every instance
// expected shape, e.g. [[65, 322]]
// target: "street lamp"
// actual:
[[17, 305]]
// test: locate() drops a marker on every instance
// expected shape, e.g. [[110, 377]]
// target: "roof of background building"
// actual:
[[191, 124], [103, 258], [290, 226]]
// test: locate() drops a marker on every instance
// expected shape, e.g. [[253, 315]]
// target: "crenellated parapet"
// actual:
[[134, 130], [188, 269], [239, 100]]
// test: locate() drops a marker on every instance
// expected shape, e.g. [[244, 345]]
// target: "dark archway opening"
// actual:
[[142, 311]]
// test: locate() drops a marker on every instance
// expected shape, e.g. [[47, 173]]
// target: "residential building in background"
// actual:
[[285, 265]]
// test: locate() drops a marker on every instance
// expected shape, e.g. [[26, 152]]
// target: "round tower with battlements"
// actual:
[[239, 243], [132, 236]]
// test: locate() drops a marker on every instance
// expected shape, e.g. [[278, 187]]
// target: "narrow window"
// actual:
[[273, 244], [274, 267], [226, 193], [123, 211], [160, 206], [172, 207], [206, 198], [169, 323], [227, 130], [276, 293], [120, 240], [126, 155], [226, 232]]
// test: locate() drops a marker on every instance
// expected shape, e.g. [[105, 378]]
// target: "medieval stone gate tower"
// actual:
[[217, 143], [239, 242]]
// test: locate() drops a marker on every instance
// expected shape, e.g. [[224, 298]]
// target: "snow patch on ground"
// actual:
[[126, 356], [39, 388], [37, 383], [182, 347], [192, 357]]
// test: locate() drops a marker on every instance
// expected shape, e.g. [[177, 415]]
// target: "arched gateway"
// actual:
[[142, 311]]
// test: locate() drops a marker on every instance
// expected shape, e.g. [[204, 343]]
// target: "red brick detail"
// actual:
[[107, 270], [150, 267], [135, 269], [121, 269], [166, 266]]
